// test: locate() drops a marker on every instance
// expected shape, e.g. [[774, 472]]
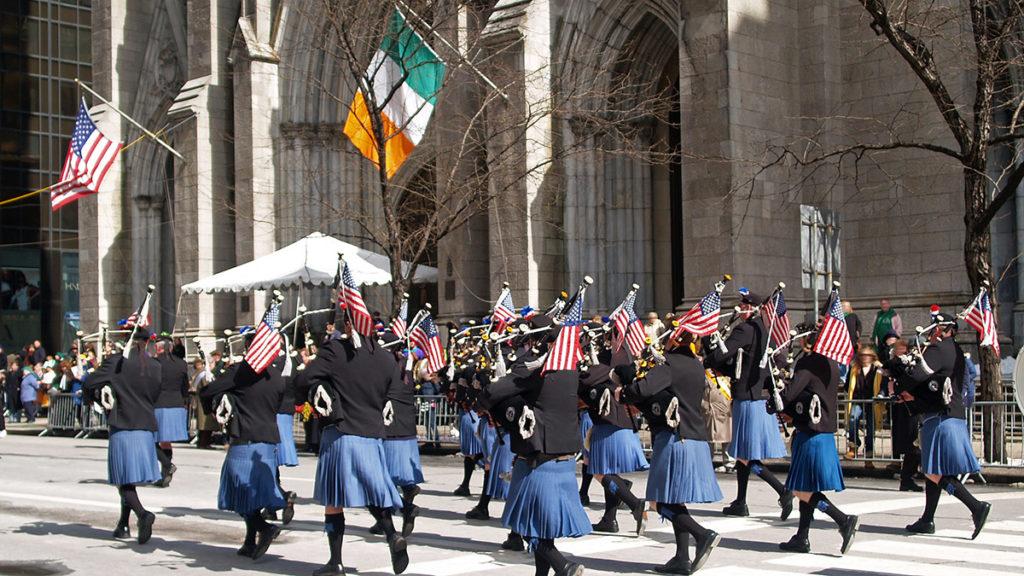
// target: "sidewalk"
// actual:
[[23, 428]]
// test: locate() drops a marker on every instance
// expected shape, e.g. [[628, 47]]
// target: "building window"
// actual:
[[820, 258]]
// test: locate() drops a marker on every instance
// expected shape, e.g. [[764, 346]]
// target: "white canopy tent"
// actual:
[[312, 261]]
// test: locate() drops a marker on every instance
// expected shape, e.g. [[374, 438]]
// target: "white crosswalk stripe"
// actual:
[[864, 564], [939, 552], [986, 538]]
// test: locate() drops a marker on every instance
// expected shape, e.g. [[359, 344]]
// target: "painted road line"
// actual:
[[940, 552], [865, 564], [986, 538]]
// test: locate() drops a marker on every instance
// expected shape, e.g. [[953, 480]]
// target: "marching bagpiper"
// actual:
[[171, 414]]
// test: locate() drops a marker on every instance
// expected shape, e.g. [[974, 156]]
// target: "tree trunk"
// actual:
[[978, 261]]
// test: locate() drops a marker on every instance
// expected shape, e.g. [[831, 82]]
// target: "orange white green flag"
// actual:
[[406, 75]]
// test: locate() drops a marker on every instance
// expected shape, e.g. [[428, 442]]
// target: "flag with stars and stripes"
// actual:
[[425, 337], [833, 338], [780, 326], [90, 155], [362, 321], [628, 326], [504, 311], [266, 345], [398, 325], [979, 316], [566, 352], [702, 319]]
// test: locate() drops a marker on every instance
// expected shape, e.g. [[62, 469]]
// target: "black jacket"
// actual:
[[173, 381], [681, 376], [255, 399], [403, 401], [940, 375], [813, 391], [288, 398], [593, 383], [359, 381], [746, 343], [136, 384]]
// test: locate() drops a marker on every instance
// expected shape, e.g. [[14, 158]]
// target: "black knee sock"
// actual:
[[125, 510], [169, 452], [547, 551], [383, 515], [408, 494], [910, 462], [541, 566], [611, 503], [277, 478], [687, 522], [257, 520], [485, 498], [806, 515], [682, 535], [334, 525], [468, 463], [131, 497], [765, 474], [819, 501], [165, 461], [585, 481], [619, 488], [952, 485], [250, 532], [932, 491], [742, 478]]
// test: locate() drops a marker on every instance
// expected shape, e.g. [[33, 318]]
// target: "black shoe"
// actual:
[[737, 508], [377, 529], [246, 549], [640, 515], [122, 531], [477, 513], [399, 555], [786, 502], [269, 514], [849, 532], [607, 525], [288, 514], [165, 481], [675, 566], [910, 486], [146, 527], [796, 544], [704, 548], [980, 516], [329, 569], [921, 527], [409, 519], [514, 542], [572, 569], [263, 539], [585, 499], [462, 491]]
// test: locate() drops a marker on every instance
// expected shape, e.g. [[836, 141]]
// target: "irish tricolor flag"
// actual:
[[410, 72]]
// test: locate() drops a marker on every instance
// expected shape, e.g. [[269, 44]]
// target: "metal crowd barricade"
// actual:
[[436, 418], [62, 414], [92, 422]]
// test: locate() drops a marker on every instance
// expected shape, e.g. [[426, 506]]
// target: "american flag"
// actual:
[[425, 337], [979, 316], [504, 311], [834, 338], [266, 345], [566, 352], [780, 329], [362, 322], [90, 155], [398, 324], [628, 326], [702, 319]]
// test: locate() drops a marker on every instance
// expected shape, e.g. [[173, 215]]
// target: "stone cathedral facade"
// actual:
[[259, 106]]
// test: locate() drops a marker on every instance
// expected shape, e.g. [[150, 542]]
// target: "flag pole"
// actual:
[[85, 87]]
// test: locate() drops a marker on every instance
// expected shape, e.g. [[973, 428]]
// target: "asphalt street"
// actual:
[[57, 513]]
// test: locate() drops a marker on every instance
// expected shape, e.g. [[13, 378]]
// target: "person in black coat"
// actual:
[[468, 384], [934, 390], [247, 402], [905, 423], [171, 412], [810, 401], [128, 386], [349, 385], [755, 433]]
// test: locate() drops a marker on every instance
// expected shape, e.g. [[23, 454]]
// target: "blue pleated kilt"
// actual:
[[501, 463], [946, 446], [488, 436], [403, 460], [815, 464], [681, 472], [353, 473], [248, 479], [131, 457], [755, 432], [615, 450], [586, 423], [172, 424], [286, 453], [544, 502], [469, 444]]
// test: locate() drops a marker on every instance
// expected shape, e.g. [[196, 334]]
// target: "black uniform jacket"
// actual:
[[937, 383], [814, 376], [593, 383], [403, 402], [136, 384], [254, 398], [682, 376], [173, 381], [359, 381], [287, 405], [747, 341], [553, 399]]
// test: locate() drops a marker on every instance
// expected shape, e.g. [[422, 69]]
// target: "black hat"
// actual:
[[387, 337], [751, 298], [141, 334], [944, 319], [540, 321]]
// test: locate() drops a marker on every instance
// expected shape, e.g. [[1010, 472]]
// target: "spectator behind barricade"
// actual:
[[853, 324], [653, 326], [865, 384], [971, 373], [47, 383], [38, 352], [206, 424], [30, 384], [12, 387], [886, 320]]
